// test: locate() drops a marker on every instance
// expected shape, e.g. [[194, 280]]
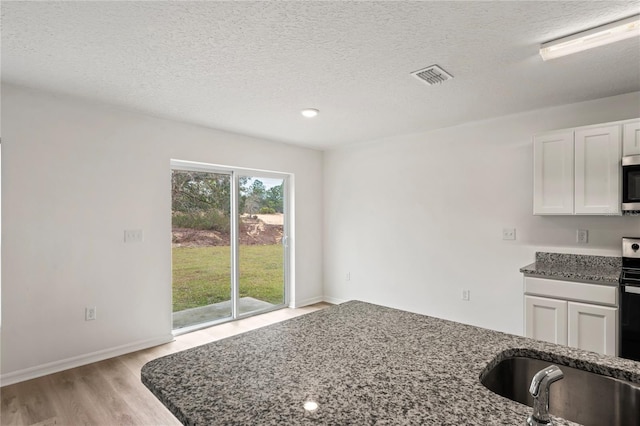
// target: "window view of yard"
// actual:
[[201, 249], [201, 275]]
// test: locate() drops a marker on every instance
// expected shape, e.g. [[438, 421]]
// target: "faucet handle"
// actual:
[[545, 377], [540, 390]]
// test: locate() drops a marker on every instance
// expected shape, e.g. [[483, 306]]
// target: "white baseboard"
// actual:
[[306, 302], [77, 361], [333, 300]]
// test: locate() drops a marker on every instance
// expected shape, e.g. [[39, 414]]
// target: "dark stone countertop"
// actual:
[[574, 267], [362, 364]]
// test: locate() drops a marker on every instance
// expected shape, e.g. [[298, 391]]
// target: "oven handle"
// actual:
[[631, 289]]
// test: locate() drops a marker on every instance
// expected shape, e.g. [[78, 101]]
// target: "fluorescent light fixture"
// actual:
[[309, 112], [599, 36]]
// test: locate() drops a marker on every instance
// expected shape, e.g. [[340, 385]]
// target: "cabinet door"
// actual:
[[545, 319], [593, 328], [553, 173], [631, 138], [597, 184]]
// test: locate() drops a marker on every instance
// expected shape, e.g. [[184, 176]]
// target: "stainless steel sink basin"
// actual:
[[581, 397]]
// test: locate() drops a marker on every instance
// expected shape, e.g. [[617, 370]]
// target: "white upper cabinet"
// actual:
[[553, 173], [578, 171], [597, 170], [631, 138]]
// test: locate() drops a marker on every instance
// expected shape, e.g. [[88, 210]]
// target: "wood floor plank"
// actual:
[[114, 408], [35, 405], [74, 405], [54, 421], [135, 361], [110, 392], [148, 408], [10, 407]]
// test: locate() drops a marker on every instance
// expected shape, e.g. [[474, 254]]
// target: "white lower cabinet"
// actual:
[[546, 319], [548, 316], [592, 327]]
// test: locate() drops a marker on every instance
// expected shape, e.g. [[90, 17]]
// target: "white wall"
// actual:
[[415, 219], [76, 174]]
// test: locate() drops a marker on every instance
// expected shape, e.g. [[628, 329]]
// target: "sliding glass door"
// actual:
[[229, 252], [261, 252], [201, 246]]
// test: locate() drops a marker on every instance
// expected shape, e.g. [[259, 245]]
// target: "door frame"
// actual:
[[287, 231]]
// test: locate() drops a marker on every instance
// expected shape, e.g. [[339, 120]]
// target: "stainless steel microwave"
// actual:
[[631, 183]]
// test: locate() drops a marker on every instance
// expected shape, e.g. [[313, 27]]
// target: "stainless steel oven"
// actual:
[[630, 299], [631, 183]]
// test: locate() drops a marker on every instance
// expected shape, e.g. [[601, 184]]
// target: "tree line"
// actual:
[[202, 200]]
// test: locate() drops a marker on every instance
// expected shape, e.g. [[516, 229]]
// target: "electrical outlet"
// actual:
[[582, 236], [133, 235], [466, 294], [348, 276], [509, 233], [90, 313]]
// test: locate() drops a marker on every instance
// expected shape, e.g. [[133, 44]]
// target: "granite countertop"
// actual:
[[362, 364], [575, 267]]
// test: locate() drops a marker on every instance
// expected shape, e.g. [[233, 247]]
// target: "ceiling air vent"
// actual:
[[432, 75]]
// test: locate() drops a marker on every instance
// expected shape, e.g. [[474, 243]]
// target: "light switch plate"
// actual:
[[133, 235], [509, 233]]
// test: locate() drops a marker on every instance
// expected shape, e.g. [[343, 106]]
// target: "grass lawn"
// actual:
[[201, 275]]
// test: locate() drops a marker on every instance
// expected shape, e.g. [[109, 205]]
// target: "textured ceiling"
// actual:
[[249, 67]]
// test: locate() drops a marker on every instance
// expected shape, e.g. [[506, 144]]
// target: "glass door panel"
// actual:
[[261, 252], [201, 247]]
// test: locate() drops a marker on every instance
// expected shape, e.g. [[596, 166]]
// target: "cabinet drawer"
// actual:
[[568, 290]]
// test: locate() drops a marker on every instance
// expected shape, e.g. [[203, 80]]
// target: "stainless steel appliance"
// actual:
[[631, 183], [630, 299]]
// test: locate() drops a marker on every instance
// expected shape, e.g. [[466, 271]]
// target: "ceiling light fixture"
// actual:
[[309, 112], [599, 36]]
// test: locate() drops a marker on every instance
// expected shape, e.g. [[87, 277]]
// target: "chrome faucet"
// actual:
[[539, 389]]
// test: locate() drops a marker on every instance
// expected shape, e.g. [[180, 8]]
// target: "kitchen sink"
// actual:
[[581, 397]]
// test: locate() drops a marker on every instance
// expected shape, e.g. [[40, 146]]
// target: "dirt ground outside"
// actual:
[[271, 219], [262, 229]]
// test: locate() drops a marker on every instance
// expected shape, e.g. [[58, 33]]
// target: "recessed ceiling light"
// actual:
[[309, 112], [599, 36]]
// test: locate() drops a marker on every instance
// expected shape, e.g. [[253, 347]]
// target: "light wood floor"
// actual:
[[110, 392]]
